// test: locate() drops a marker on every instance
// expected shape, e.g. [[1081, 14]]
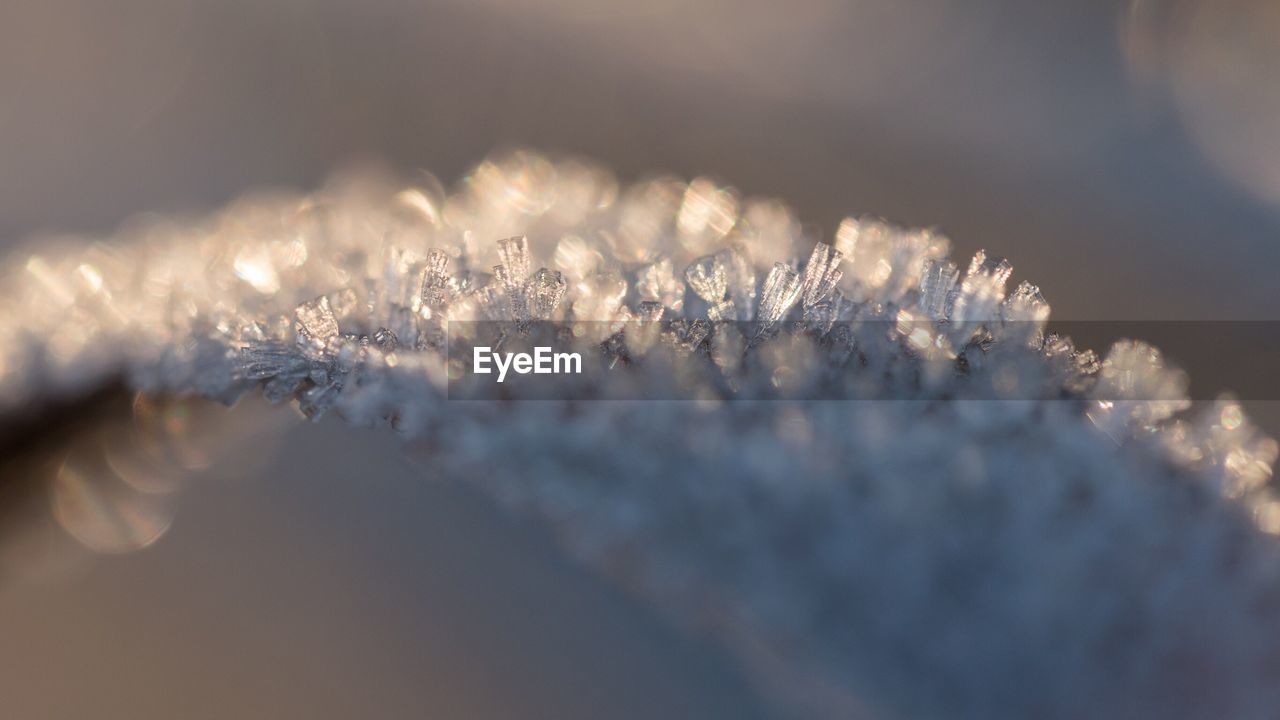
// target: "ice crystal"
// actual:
[[1136, 390], [821, 274], [546, 289], [710, 281], [316, 322], [436, 280], [658, 283], [1079, 551], [977, 300], [706, 276], [781, 288], [740, 276], [936, 281]]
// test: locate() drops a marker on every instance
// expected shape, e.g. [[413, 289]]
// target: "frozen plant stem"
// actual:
[[1085, 549]]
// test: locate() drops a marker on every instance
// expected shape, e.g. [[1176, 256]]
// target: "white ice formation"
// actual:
[[1084, 547]]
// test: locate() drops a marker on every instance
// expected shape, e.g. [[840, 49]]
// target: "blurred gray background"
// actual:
[[1120, 153], [1124, 154]]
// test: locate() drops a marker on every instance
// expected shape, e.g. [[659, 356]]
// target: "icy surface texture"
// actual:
[[1107, 553]]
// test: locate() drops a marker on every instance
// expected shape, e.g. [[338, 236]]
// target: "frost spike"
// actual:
[[978, 299], [1023, 315], [781, 288], [708, 279], [514, 253], [936, 283], [545, 291], [820, 274], [435, 280], [316, 323]]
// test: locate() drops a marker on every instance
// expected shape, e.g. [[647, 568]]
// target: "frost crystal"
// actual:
[[515, 258], [1097, 544], [781, 288], [821, 274], [1023, 316], [546, 289], [658, 283], [978, 298], [740, 276], [936, 282], [316, 322], [436, 280], [710, 281], [1135, 390], [707, 278]]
